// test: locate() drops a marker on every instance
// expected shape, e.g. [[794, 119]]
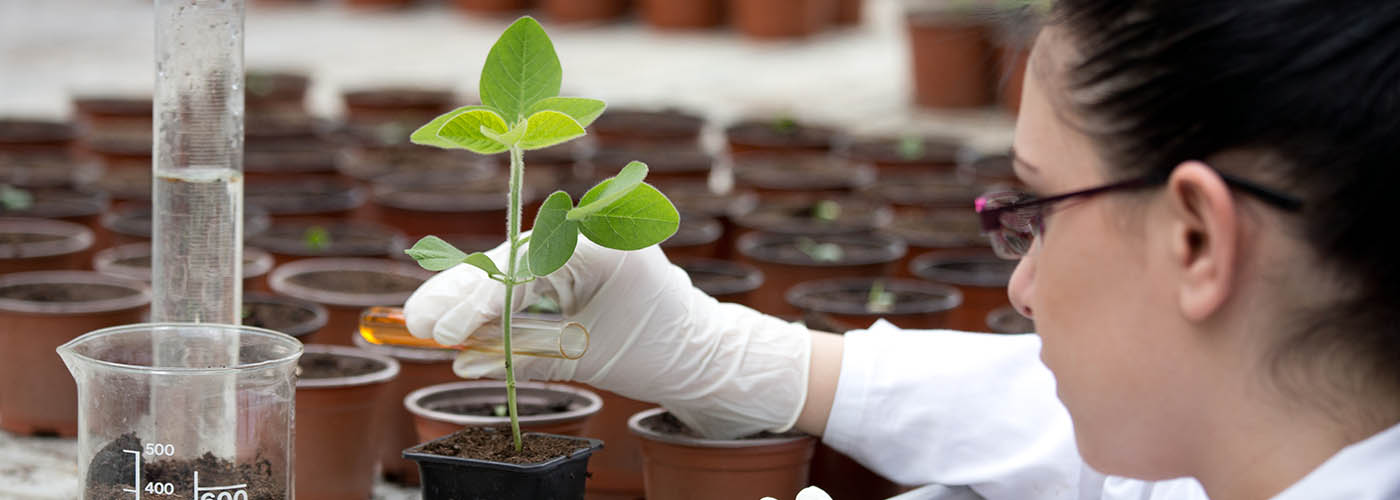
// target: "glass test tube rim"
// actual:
[[291, 357]]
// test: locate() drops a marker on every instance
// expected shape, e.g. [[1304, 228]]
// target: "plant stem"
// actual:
[[513, 214]]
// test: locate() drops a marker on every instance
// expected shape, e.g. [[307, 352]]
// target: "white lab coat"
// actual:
[[979, 410]]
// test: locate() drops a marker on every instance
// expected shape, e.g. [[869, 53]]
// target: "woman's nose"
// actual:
[[1022, 286]]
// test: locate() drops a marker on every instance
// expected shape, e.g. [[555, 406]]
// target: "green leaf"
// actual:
[[520, 70], [464, 131], [484, 263], [610, 190], [427, 135], [434, 254], [641, 218], [583, 110], [554, 236], [547, 128]]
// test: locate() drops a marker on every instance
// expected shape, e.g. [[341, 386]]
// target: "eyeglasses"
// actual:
[[1013, 220]]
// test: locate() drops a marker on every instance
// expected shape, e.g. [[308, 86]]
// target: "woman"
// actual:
[[1215, 313]]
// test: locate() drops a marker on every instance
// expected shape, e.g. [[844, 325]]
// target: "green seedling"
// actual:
[[910, 147], [879, 300], [15, 199], [826, 210], [785, 125], [820, 252], [521, 111], [316, 238]]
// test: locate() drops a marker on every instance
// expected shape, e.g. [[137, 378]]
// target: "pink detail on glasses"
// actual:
[[981, 203]]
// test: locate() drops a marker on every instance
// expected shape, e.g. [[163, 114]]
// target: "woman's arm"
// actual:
[[824, 373]]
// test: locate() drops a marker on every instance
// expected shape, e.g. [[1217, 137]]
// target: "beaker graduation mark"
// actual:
[[136, 483], [235, 492]]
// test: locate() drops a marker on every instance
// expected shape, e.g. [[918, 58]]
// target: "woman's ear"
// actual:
[[1203, 240]]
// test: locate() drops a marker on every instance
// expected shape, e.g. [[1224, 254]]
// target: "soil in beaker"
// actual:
[[112, 475]]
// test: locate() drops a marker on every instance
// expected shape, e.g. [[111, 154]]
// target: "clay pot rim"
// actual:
[[255, 221], [140, 297], [1003, 315], [398, 97], [106, 261], [820, 137], [415, 454], [294, 348], [280, 280], [419, 355], [894, 247], [413, 402], [799, 296], [879, 215], [273, 242], [410, 196], [76, 237], [926, 267], [954, 147], [380, 376], [70, 202], [751, 280], [318, 312], [679, 123], [634, 424], [736, 202]]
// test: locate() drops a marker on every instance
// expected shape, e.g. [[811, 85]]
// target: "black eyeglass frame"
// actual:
[[992, 216]]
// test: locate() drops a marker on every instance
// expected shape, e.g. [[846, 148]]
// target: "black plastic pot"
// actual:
[[454, 478]]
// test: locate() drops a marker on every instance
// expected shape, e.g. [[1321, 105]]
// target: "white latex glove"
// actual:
[[723, 369], [808, 493]]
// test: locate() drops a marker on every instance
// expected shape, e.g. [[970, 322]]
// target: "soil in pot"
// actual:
[[787, 260], [345, 287], [42, 244], [297, 318], [77, 206], [981, 276], [559, 475], [696, 237], [297, 239], [858, 302], [41, 311], [783, 135], [368, 164], [913, 154], [816, 174], [112, 469], [339, 390], [289, 160], [951, 59], [281, 199], [682, 14], [274, 92], [641, 127], [681, 465], [781, 18], [410, 106], [495, 444], [35, 136], [814, 215], [133, 261]]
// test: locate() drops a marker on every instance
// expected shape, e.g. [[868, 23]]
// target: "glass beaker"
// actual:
[[141, 429]]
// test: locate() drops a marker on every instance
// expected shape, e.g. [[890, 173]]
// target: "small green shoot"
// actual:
[[910, 147], [15, 199], [522, 111], [879, 300], [316, 238], [785, 125], [826, 210], [820, 252]]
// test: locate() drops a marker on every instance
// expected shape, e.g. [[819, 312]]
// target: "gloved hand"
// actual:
[[723, 369]]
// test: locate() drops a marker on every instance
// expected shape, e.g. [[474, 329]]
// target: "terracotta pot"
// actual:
[[912, 154], [51, 170], [274, 92], [784, 264], [366, 164], [35, 136], [781, 18], [132, 261], [1016, 32], [680, 467], [329, 197], [77, 206], [128, 187], [289, 160], [42, 244], [939, 231], [810, 173], [724, 280], [633, 127], [951, 60], [493, 6], [696, 238], [418, 368], [1006, 319], [778, 135], [919, 192], [294, 317], [848, 12], [270, 129], [287, 240], [41, 311], [332, 282], [407, 105], [338, 425], [421, 204], [698, 198], [664, 163], [434, 417], [132, 224], [583, 11], [107, 116], [917, 305], [982, 277], [815, 215], [682, 14]]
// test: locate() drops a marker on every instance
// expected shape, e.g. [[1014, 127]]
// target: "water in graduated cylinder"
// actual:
[[200, 223]]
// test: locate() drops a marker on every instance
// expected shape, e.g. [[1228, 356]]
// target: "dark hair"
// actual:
[[1311, 84]]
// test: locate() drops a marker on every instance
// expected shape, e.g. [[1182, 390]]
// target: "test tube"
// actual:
[[530, 336]]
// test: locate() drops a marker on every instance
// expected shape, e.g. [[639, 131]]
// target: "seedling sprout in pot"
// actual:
[[521, 111]]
